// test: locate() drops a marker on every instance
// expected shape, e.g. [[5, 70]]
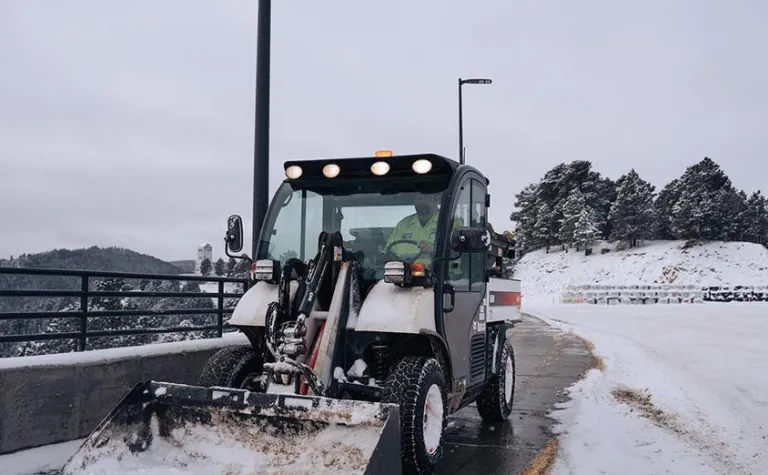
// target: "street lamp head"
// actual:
[[476, 81]]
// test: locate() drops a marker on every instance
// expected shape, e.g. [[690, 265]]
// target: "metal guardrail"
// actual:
[[86, 293]]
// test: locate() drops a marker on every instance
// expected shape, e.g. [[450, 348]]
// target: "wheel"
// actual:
[[230, 366], [495, 402], [417, 385]]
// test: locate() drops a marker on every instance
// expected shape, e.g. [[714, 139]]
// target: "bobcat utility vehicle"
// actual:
[[355, 323]]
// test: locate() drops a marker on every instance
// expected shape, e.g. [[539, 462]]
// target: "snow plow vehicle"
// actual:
[[368, 325]]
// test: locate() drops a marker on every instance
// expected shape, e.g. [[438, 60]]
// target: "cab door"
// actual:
[[464, 278]]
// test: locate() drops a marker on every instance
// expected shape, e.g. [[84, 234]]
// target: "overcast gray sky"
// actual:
[[130, 123]]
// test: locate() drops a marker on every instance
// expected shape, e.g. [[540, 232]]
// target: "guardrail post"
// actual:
[[220, 312], [83, 340]]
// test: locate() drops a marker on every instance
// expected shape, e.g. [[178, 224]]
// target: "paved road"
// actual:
[[547, 362]]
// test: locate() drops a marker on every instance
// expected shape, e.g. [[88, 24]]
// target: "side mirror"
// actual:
[[234, 238], [470, 240]]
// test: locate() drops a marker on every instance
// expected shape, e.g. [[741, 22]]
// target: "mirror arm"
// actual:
[[226, 251]]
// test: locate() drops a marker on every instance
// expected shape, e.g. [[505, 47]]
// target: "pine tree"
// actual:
[[540, 207], [727, 215], [703, 207], [572, 209], [663, 210], [742, 223], [756, 216], [587, 232], [219, 267], [231, 264], [632, 213], [546, 227], [525, 216], [205, 267]]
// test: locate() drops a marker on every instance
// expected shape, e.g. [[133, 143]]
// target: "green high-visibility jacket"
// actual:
[[410, 228]]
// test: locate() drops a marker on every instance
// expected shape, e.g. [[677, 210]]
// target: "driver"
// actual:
[[420, 228]]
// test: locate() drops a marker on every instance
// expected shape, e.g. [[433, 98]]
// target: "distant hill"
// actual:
[[94, 258], [186, 267], [112, 259], [544, 276]]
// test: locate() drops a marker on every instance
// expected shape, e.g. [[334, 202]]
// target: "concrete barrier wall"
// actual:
[[56, 398]]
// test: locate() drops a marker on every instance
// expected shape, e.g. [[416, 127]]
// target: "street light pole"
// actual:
[[462, 157], [261, 123], [461, 127]]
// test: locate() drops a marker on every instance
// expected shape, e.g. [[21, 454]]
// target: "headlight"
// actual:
[[266, 270], [405, 274], [397, 272]]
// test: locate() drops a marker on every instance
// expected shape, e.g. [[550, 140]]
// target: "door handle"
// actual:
[[449, 298]]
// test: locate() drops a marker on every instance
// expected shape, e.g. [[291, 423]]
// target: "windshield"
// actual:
[[377, 224]]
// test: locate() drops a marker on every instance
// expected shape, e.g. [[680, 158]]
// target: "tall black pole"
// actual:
[[461, 129], [261, 125]]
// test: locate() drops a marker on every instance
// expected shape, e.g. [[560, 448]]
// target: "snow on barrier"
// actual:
[[661, 294]]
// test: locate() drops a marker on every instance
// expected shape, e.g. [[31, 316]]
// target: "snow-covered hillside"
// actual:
[[544, 276]]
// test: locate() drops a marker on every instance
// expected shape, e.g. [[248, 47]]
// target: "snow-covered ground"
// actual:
[[544, 276], [40, 459], [681, 389]]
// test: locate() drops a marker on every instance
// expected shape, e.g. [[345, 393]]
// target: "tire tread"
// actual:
[[228, 366]]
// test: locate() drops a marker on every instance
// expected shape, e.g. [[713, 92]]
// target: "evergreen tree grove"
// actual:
[[572, 204]]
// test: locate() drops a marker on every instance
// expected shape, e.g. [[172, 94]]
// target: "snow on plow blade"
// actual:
[[164, 428]]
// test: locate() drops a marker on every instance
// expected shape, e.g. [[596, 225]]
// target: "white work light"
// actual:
[[331, 170], [293, 172], [380, 168], [422, 166], [395, 272]]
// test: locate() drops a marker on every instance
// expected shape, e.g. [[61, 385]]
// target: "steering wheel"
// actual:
[[388, 249]]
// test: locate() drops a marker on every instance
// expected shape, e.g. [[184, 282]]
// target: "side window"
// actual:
[[478, 260], [478, 204], [458, 270]]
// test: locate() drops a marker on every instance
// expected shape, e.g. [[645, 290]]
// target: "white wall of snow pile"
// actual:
[[545, 276]]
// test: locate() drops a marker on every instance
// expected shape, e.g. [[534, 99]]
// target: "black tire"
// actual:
[[493, 404], [229, 367], [408, 386]]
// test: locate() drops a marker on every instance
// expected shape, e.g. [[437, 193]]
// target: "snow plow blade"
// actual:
[[170, 428]]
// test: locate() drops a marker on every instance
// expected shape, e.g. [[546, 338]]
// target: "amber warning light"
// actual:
[[383, 153]]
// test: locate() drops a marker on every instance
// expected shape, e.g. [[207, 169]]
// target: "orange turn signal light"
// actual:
[[417, 269], [383, 153]]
